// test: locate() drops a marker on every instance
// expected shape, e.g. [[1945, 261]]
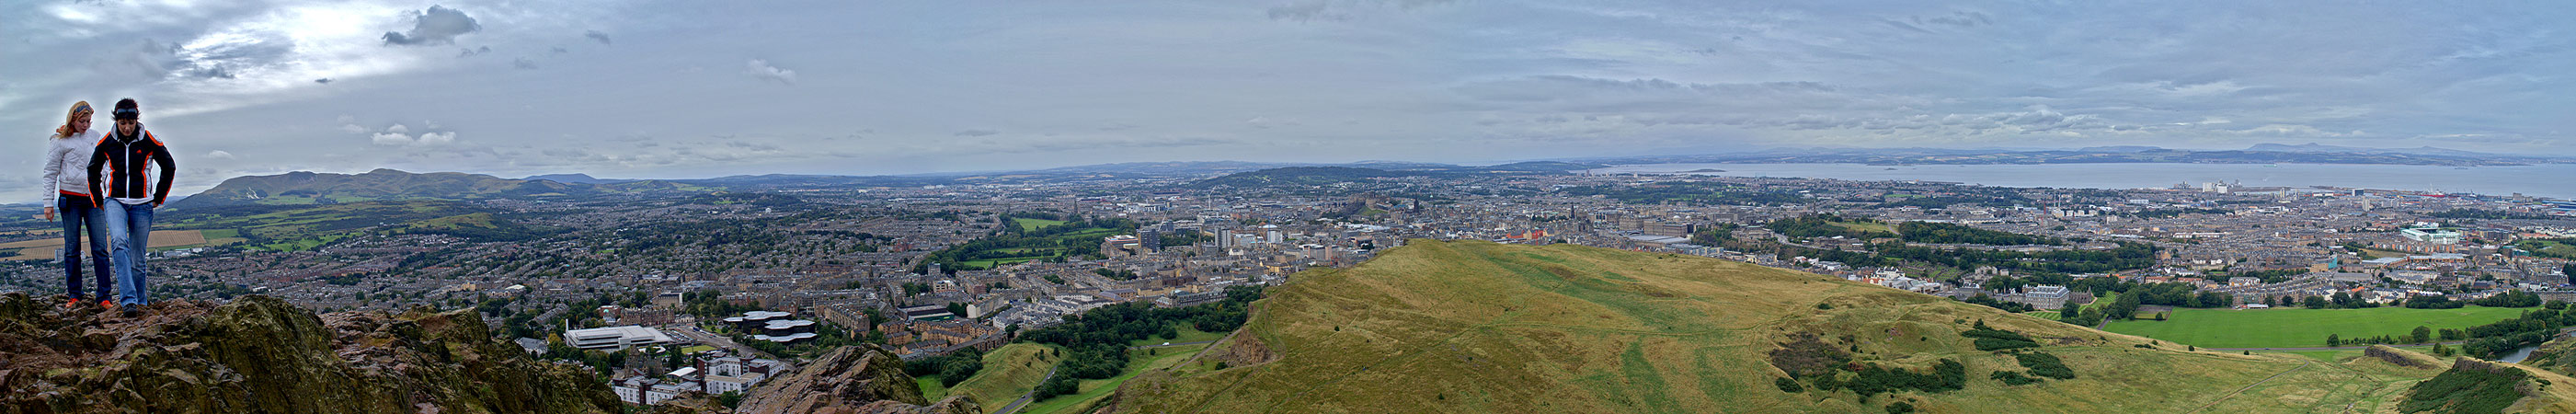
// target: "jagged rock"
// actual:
[[2398, 357], [262, 355], [862, 379]]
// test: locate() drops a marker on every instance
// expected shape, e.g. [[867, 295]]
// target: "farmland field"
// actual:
[[43, 249]]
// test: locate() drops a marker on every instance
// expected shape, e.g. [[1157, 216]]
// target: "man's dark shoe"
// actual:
[[131, 311]]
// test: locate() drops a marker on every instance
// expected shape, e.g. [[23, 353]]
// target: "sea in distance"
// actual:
[[2542, 180]]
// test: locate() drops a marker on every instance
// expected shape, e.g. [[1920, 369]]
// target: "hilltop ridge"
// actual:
[[259, 354], [1483, 327]]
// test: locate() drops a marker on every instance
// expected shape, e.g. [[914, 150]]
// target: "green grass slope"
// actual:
[[1481, 327], [1009, 372]]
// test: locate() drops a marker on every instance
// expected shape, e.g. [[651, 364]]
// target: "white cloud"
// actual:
[[219, 154], [389, 138], [762, 70], [437, 138]]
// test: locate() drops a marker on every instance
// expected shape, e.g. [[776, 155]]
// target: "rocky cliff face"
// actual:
[[859, 379], [262, 355]]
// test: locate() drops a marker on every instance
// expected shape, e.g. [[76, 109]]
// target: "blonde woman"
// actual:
[[67, 158]]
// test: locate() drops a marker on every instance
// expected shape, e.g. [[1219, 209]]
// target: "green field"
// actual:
[[1034, 224], [1188, 334], [2547, 248], [1471, 326], [1866, 226], [1022, 248], [2283, 328], [930, 388]]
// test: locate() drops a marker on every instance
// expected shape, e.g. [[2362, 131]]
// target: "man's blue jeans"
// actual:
[[129, 229], [79, 219]]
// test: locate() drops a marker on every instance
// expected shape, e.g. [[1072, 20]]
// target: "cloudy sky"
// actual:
[[673, 89]]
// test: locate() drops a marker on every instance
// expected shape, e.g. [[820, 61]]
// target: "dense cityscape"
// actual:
[[673, 294]]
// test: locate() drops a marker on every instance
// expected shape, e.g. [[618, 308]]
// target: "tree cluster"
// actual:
[[1947, 233], [1097, 340]]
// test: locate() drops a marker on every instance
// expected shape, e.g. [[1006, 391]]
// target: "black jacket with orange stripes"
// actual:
[[126, 167]]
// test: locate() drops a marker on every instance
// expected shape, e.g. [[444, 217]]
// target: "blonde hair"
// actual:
[[79, 109]]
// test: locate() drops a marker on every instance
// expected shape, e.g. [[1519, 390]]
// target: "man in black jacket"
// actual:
[[130, 174]]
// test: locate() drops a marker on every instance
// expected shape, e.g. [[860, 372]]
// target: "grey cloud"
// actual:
[[479, 51], [757, 146], [558, 50], [149, 60], [325, 81], [977, 132], [215, 57], [1961, 19], [602, 38], [1303, 10], [211, 72], [523, 63], [436, 26]]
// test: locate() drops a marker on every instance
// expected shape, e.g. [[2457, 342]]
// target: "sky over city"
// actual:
[[685, 89]]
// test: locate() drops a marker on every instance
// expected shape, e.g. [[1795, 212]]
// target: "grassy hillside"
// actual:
[[306, 227], [1481, 327], [1009, 372], [1095, 392], [2282, 328]]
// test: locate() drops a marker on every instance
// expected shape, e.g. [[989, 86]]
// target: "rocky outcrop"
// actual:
[[2399, 357], [859, 379], [2557, 355], [262, 355]]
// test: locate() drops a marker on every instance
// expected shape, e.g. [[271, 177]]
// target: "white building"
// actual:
[[615, 337], [2045, 297], [733, 374], [2430, 235], [642, 390]]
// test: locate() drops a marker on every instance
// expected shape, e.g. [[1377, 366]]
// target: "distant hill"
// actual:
[[1529, 167], [1472, 326], [2258, 154], [2318, 148], [1167, 168], [782, 181], [1329, 175], [309, 188], [302, 187], [1298, 176], [575, 178]]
